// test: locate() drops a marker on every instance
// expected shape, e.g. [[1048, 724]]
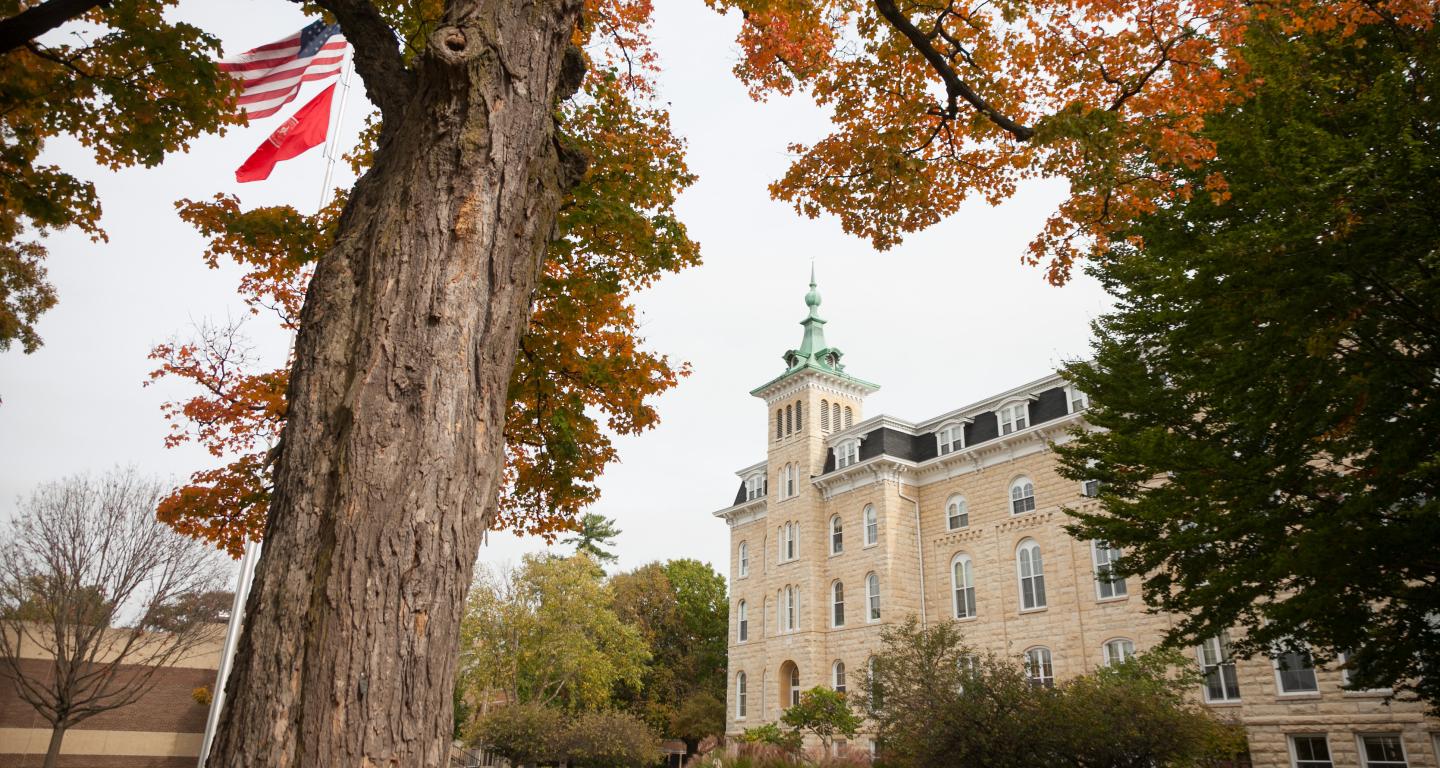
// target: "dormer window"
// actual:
[[1079, 401], [949, 439], [755, 486], [847, 453], [1014, 417]]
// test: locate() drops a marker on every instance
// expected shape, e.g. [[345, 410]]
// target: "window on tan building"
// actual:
[[1382, 750], [838, 671], [872, 524], [1310, 751], [1039, 667], [872, 597], [1107, 584], [1295, 671], [1031, 569], [837, 604], [957, 513], [740, 696], [742, 620], [962, 581], [1117, 651], [1218, 665], [1022, 496]]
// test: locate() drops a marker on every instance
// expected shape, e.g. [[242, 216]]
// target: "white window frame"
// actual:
[[1013, 416], [1116, 586], [1223, 658], [837, 535], [794, 684], [1295, 751], [1280, 690], [789, 608], [740, 695], [789, 542], [847, 453], [755, 486], [837, 676], [1045, 661], [1025, 501], [790, 483], [1074, 395], [742, 622], [1090, 489], [870, 520], [963, 517], [964, 566], [1124, 645], [837, 603], [950, 438], [1028, 556], [1365, 759], [872, 597], [742, 557]]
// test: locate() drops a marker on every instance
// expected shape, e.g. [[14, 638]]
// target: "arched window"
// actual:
[[835, 415], [1032, 575], [794, 685], [740, 693], [789, 419], [837, 604], [824, 416], [788, 545], [1118, 651], [779, 424], [872, 597], [1039, 669], [1022, 496], [799, 419], [742, 619], [743, 556], [962, 580], [792, 472], [1107, 584], [838, 674], [849, 417], [791, 608], [872, 525], [837, 536], [957, 513]]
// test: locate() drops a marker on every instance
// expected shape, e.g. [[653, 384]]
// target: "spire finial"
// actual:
[[812, 299]]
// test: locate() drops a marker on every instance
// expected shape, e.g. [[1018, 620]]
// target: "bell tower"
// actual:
[[813, 398]]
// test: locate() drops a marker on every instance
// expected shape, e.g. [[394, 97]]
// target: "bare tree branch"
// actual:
[[388, 82]]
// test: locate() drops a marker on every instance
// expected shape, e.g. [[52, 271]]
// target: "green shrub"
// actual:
[[608, 740], [524, 734]]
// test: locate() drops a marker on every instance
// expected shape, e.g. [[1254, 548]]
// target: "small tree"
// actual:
[[824, 713], [91, 579]]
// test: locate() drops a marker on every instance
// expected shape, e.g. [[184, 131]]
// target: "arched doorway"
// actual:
[[789, 685]]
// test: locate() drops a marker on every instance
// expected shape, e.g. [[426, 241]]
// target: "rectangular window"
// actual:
[[1107, 585], [950, 439], [1295, 672], [1090, 489], [847, 453], [1382, 751], [1014, 418], [1079, 401], [1310, 752], [744, 628], [1221, 682]]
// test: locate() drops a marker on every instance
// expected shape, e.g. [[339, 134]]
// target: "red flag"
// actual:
[[305, 129]]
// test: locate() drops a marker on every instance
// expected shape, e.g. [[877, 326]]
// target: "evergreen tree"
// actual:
[[593, 533], [1267, 383]]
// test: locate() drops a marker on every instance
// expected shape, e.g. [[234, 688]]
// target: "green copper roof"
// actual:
[[814, 354]]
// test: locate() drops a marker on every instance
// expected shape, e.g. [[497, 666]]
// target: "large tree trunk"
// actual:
[[392, 450]]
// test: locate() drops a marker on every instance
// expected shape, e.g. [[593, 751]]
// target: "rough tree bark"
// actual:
[[392, 450]]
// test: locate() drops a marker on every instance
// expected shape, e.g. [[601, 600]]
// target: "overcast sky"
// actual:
[[949, 317]]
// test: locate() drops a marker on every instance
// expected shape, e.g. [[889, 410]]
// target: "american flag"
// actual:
[[272, 74]]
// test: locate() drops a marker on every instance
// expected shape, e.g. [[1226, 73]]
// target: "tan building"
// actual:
[[852, 523], [163, 729]]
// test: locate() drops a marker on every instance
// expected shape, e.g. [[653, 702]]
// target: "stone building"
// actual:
[[851, 523]]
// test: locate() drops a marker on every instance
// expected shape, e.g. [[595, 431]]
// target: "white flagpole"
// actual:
[[232, 637], [332, 145]]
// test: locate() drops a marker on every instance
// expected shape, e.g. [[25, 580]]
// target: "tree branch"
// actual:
[[954, 86], [388, 82], [37, 20]]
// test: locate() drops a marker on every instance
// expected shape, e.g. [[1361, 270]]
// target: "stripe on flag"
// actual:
[[271, 75]]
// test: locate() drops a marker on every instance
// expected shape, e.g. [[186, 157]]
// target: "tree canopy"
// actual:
[[593, 533], [1266, 382]]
